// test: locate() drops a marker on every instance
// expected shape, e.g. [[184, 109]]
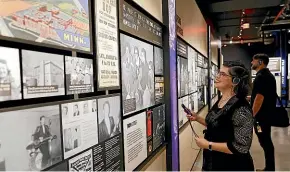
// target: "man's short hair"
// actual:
[[41, 117], [107, 103], [263, 57]]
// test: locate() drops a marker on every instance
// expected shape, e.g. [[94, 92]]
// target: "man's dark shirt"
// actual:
[[265, 84]]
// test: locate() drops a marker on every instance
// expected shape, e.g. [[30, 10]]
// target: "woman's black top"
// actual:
[[232, 124]]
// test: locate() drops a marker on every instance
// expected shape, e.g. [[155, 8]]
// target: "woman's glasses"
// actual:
[[223, 74]]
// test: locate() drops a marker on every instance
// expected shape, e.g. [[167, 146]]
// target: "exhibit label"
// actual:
[[136, 23], [107, 44]]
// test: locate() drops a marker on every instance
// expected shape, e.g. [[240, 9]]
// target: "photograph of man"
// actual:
[[158, 57], [109, 117], [64, 112], [76, 110], [72, 138], [42, 134], [94, 106], [9, 74], [86, 107], [107, 127]]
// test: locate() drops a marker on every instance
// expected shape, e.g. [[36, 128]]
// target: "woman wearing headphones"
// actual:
[[229, 123]]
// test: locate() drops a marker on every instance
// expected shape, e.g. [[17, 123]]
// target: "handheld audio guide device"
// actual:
[[186, 110]]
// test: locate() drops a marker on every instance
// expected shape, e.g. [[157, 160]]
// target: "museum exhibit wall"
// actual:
[[193, 24], [214, 49]]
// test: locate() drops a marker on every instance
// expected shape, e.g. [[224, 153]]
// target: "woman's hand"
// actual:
[[192, 117], [202, 143]]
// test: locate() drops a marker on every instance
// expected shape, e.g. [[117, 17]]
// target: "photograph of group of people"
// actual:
[[10, 87], [137, 73], [35, 144], [79, 75]]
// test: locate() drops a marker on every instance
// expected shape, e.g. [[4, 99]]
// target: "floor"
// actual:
[[281, 140]]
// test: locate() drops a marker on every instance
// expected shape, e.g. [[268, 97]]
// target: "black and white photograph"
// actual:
[[200, 97], [180, 112], [82, 162], [158, 126], [158, 58], [178, 76], [79, 75], [36, 143], [192, 87], [137, 74], [10, 87], [135, 141], [109, 114], [43, 74], [184, 77], [159, 90], [79, 125]]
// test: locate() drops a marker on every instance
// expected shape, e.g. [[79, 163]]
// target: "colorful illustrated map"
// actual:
[[62, 23]]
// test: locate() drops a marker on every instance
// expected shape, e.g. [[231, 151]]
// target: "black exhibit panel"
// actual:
[[61, 24], [43, 74], [33, 142], [192, 80], [10, 80], [79, 75]]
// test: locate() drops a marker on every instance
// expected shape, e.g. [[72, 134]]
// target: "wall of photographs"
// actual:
[[83, 83], [192, 80]]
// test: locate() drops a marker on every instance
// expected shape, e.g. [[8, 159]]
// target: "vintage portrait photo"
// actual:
[[109, 114], [200, 97], [137, 74], [158, 126], [178, 76], [33, 141], [192, 87], [158, 58], [80, 126], [79, 75], [43, 74], [183, 77], [10, 87], [159, 90]]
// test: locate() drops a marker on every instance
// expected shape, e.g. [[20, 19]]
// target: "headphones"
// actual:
[[236, 80]]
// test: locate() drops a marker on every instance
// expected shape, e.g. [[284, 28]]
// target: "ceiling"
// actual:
[[227, 17]]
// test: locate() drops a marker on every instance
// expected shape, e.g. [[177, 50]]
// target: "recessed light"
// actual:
[[231, 41]]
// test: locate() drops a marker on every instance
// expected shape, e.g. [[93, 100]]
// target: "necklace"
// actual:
[[222, 101]]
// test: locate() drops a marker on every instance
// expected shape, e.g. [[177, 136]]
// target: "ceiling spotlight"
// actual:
[[270, 34], [289, 30], [231, 41], [242, 20]]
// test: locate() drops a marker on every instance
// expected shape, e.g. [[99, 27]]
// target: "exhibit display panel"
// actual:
[[43, 74], [107, 44], [79, 75], [10, 80], [61, 24]]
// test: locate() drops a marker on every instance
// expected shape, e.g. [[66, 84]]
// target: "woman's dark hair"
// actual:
[[238, 71]]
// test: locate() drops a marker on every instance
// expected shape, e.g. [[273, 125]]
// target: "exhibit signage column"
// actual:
[[169, 14]]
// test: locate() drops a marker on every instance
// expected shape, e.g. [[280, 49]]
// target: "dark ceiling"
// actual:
[[226, 16]]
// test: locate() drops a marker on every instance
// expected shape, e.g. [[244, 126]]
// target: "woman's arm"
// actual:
[[201, 120], [243, 130]]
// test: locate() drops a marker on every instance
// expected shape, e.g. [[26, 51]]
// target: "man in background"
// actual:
[[263, 102]]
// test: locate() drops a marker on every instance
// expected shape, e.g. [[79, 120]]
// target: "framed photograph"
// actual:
[[10, 80], [43, 74]]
